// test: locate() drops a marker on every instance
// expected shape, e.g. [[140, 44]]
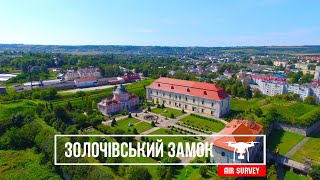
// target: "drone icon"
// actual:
[[240, 148]]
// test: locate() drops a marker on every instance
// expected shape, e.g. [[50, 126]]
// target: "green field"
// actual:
[[283, 140], [202, 123], [24, 164], [292, 112], [139, 125], [176, 113], [311, 149], [291, 175], [12, 107]]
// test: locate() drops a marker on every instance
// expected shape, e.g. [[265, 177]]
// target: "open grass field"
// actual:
[[293, 112], [161, 111], [12, 107], [283, 140], [24, 164], [311, 149], [139, 125], [204, 124], [291, 175]]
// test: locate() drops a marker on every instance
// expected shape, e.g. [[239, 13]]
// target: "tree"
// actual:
[[257, 111], [149, 108], [113, 122], [162, 106], [68, 106], [182, 110], [153, 124], [234, 90], [271, 116], [171, 115], [203, 170], [40, 108], [161, 171], [135, 131], [137, 172], [60, 112], [315, 172], [272, 173], [257, 93], [129, 115], [168, 174], [247, 93], [310, 100]]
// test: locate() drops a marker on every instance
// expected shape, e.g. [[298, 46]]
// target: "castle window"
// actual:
[[205, 92], [188, 90], [202, 110], [172, 87], [186, 99], [158, 85], [223, 153], [193, 100], [202, 102]]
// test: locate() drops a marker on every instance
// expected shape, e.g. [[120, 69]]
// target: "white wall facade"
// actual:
[[195, 104]]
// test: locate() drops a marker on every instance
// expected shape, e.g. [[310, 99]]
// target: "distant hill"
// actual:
[[164, 50]]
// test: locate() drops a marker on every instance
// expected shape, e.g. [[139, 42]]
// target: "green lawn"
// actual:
[[176, 113], [311, 149], [283, 140], [139, 125], [202, 123], [24, 164], [293, 112], [291, 175], [12, 107]]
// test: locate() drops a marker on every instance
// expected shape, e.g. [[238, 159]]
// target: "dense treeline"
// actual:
[[38, 63]]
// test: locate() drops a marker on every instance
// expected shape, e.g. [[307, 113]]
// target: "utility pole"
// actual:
[[29, 69]]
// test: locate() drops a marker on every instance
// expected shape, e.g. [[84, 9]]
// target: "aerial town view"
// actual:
[[141, 90]]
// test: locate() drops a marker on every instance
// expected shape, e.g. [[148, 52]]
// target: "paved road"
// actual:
[[89, 88], [297, 147]]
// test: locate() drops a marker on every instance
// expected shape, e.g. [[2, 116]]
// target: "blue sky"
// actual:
[[160, 22]]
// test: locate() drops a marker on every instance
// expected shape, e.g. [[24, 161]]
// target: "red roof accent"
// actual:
[[268, 78], [195, 88], [237, 127], [131, 77], [79, 80]]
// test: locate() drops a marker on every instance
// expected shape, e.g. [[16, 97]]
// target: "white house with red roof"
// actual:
[[121, 100], [85, 82], [198, 97], [223, 153]]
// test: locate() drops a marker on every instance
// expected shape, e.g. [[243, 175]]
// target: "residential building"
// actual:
[[302, 91], [121, 100], [223, 153], [73, 74], [192, 96], [317, 73], [85, 82], [131, 78], [282, 63]]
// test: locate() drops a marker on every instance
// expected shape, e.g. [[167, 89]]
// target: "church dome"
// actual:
[[120, 90]]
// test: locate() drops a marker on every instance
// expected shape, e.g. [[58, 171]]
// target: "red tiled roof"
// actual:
[[237, 127], [85, 79], [131, 77], [199, 89], [268, 78]]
